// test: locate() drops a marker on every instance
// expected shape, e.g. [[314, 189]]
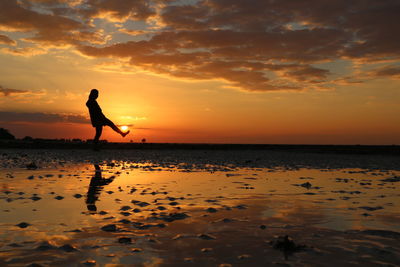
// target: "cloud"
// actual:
[[38, 117], [6, 40], [24, 51], [118, 10], [9, 91], [252, 45], [390, 71], [48, 29]]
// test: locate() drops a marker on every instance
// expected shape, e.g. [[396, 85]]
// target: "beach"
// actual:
[[198, 207]]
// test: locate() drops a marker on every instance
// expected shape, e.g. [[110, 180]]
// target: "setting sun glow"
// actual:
[[124, 128], [307, 76]]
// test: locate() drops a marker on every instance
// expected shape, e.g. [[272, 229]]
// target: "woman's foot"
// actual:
[[125, 134]]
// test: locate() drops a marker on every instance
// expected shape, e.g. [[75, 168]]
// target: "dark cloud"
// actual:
[[118, 9], [9, 91], [38, 117], [6, 40], [49, 29], [253, 45], [390, 71]]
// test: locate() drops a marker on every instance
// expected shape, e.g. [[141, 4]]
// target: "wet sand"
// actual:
[[198, 208]]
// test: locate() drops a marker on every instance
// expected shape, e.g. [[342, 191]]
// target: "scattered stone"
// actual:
[[124, 221], [23, 225], [74, 231], [307, 185], [89, 263], [31, 177], [136, 250], [35, 198], [170, 217], [140, 203], [392, 179], [211, 210], [125, 240], [109, 228], [77, 196], [206, 250], [15, 245], [59, 197], [45, 246], [68, 248], [287, 246], [206, 237], [34, 265], [371, 208], [263, 227], [124, 208]]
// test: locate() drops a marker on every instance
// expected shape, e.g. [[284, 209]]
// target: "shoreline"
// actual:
[[393, 150]]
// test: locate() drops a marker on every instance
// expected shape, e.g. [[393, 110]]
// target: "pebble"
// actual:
[[109, 228], [34, 265], [23, 225], [211, 210], [35, 198], [68, 248], [124, 221], [45, 246], [125, 240], [89, 263], [206, 236]]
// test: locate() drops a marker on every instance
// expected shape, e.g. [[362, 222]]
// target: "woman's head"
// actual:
[[94, 94]]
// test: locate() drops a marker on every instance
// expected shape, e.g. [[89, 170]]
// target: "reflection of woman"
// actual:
[[96, 185], [97, 117]]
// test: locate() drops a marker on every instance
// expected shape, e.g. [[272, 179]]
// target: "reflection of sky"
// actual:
[[273, 198], [277, 187]]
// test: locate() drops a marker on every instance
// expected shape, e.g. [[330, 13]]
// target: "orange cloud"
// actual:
[[6, 40], [390, 71], [118, 10], [9, 91]]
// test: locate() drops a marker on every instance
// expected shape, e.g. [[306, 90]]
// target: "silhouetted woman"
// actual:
[[97, 117], [96, 185]]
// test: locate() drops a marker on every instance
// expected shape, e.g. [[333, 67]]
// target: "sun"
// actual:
[[124, 128]]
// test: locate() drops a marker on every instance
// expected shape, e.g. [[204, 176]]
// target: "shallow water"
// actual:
[[180, 215]]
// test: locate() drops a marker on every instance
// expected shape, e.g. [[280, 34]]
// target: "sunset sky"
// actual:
[[212, 71]]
